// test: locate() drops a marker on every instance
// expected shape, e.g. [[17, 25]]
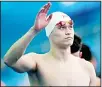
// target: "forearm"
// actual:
[[18, 48]]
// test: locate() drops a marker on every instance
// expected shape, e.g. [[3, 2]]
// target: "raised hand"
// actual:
[[42, 20]]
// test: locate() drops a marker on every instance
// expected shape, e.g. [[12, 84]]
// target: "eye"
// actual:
[[71, 26], [59, 27], [63, 27]]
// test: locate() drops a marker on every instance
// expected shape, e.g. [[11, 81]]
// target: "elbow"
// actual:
[[17, 70], [7, 62], [13, 67]]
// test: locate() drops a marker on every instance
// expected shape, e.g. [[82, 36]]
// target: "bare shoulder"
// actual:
[[87, 64], [91, 71], [32, 55]]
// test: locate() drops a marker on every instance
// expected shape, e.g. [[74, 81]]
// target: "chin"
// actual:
[[69, 43], [65, 45]]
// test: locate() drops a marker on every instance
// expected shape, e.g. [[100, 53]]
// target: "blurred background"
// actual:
[[18, 17]]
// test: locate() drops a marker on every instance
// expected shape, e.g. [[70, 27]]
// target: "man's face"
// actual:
[[63, 33]]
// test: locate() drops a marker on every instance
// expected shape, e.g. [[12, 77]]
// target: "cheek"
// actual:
[[55, 36], [73, 32], [58, 34]]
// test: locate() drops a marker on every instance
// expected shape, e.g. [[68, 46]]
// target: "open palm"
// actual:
[[42, 20]]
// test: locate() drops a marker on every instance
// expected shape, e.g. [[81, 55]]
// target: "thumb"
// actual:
[[49, 17]]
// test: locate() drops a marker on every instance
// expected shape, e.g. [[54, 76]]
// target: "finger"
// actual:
[[48, 4], [49, 17], [41, 11], [47, 8]]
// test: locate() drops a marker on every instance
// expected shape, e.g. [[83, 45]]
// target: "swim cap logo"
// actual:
[[64, 16]]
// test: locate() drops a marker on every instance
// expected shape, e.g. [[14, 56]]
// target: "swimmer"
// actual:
[[58, 67]]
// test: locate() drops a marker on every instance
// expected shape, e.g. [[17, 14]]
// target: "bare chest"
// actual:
[[62, 74]]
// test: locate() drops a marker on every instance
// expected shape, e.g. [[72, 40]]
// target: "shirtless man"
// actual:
[[58, 67]]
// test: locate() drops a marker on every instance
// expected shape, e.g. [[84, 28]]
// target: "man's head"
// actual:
[[86, 53], [60, 29], [76, 46]]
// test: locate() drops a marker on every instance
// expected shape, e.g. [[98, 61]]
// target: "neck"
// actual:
[[60, 53]]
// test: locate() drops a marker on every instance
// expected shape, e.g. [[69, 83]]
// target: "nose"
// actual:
[[67, 31]]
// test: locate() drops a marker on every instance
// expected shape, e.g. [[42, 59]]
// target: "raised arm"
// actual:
[[14, 57]]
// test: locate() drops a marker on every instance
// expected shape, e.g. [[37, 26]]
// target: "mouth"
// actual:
[[68, 38]]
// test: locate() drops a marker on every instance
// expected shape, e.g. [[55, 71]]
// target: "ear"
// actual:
[[80, 54]]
